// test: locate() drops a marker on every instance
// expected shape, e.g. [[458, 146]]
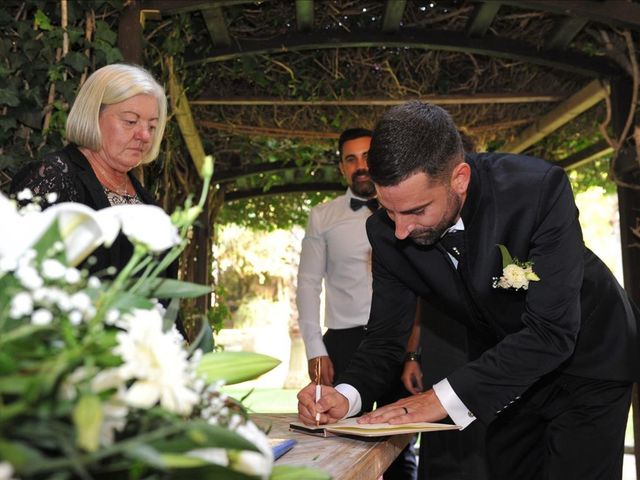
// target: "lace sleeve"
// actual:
[[51, 175]]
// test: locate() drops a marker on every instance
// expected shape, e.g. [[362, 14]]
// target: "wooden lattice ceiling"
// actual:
[[511, 72]]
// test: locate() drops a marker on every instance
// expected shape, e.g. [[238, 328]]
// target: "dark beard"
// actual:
[[362, 189], [429, 236]]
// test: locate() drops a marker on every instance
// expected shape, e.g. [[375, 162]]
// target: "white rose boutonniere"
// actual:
[[515, 274]]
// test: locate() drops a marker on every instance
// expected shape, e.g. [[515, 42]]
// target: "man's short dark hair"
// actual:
[[351, 134], [410, 138]]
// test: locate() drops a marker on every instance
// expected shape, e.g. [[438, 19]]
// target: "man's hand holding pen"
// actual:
[[331, 407]]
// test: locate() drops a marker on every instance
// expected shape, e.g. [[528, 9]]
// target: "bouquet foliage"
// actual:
[[95, 380]]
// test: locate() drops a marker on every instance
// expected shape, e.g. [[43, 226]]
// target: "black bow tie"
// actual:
[[371, 204], [453, 243]]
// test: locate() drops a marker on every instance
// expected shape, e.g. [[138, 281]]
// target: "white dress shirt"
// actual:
[[450, 401], [336, 250]]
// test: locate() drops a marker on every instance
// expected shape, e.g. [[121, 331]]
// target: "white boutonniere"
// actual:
[[515, 273]]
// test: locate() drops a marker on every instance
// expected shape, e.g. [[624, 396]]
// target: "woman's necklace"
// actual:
[[105, 180]]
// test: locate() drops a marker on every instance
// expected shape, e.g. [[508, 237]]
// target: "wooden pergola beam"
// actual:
[[481, 19], [217, 26], [581, 101], [225, 176], [475, 99], [564, 60], [182, 111], [173, 7], [304, 15], [393, 12], [586, 155], [564, 32], [283, 189], [616, 13]]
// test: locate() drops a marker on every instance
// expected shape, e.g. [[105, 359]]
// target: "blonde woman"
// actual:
[[115, 124]]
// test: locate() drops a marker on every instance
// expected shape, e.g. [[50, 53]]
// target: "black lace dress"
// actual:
[[68, 175]]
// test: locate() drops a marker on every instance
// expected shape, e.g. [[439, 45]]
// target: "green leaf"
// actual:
[[204, 340], [146, 454], [174, 460], [200, 434], [42, 21], [76, 60], [290, 472], [46, 241], [506, 256], [21, 332], [209, 472], [126, 301], [18, 454], [8, 96], [235, 367], [170, 288], [15, 384], [87, 418]]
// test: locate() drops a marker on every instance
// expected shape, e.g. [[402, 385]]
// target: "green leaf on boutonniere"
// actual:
[[506, 256]]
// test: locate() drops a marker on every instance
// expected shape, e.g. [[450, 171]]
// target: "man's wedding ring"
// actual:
[[406, 412]]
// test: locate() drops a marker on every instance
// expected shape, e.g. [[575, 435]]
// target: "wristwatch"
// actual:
[[412, 357]]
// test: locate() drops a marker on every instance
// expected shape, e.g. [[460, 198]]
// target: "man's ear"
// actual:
[[460, 178], [341, 168]]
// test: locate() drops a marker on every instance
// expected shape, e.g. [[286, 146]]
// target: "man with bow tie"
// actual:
[[336, 251]]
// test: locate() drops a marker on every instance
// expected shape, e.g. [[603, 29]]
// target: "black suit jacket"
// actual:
[[69, 174], [576, 319]]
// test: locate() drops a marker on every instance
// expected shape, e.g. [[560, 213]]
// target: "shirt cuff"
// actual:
[[457, 410], [315, 348], [353, 396]]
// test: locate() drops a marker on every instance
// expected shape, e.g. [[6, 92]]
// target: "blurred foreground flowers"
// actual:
[[95, 380]]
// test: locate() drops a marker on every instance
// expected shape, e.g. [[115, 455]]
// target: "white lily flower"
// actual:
[[147, 225], [83, 229]]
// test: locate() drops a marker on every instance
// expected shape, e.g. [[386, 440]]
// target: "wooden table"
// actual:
[[344, 458]]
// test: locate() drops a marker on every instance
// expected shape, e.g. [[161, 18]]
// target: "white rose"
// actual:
[[515, 276]]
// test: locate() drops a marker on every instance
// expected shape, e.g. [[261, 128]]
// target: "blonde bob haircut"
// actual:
[[106, 86]]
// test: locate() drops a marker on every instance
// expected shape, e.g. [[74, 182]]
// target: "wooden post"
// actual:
[[629, 207], [130, 33], [130, 45]]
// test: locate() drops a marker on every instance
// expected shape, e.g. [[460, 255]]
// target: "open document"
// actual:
[[350, 426]]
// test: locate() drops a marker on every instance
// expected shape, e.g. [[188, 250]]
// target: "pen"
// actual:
[[318, 388]]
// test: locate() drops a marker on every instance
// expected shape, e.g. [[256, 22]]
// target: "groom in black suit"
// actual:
[[493, 240]]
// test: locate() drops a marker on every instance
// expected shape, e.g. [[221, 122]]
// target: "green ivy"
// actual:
[[31, 36]]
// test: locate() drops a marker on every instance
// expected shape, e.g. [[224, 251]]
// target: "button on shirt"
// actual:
[[336, 251]]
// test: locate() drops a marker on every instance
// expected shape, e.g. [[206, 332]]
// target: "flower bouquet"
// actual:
[[95, 380]]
